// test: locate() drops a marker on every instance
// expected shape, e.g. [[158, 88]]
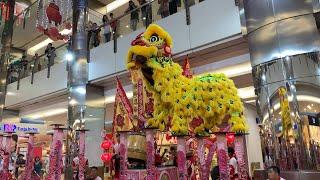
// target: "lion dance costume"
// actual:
[[199, 104]]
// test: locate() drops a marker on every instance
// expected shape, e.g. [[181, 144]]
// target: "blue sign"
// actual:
[[16, 128]]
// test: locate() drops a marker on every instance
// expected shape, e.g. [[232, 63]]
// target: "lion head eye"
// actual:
[[154, 38]]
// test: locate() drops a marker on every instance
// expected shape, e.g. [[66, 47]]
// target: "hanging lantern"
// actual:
[[106, 144], [230, 138], [108, 136], [106, 157], [53, 14]]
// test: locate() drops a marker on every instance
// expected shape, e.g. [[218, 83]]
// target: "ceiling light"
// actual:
[[115, 4], [309, 107], [11, 93], [72, 102], [81, 90], [34, 49], [127, 26], [250, 101], [69, 57], [47, 113]]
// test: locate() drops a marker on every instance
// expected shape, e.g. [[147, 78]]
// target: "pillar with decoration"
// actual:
[[151, 168], [82, 159], [30, 157], [223, 155], [241, 154], [5, 174], [55, 162], [123, 152], [181, 157]]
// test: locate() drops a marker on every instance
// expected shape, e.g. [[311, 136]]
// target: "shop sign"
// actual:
[[17, 128], [314, 121]]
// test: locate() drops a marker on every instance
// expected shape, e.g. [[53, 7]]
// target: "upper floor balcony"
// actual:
[[211, 23]]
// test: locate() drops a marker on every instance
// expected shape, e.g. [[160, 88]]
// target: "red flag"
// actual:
[[122, 110], [186, 68]]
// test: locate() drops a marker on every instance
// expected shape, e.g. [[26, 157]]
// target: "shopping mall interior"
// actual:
[[160, 89]]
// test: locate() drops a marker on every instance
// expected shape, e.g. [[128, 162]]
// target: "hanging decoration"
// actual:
[[53, 18], [5, 9], [122, 110], [187, 72], [287, 123]]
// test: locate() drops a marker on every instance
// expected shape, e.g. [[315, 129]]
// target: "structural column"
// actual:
[[77, 80], [6, 41], [285, 57]]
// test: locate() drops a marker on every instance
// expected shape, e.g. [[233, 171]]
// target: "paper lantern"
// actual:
[[108, 136], [106, 144], [230, 138], [106, 157]]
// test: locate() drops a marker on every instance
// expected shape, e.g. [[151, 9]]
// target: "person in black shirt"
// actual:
[[134, 15], [20, 163], [51, 54]]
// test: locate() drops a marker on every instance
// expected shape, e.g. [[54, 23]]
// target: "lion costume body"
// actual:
[[198, 104]]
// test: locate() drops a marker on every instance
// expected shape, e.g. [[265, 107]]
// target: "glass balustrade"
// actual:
[[26, 36]]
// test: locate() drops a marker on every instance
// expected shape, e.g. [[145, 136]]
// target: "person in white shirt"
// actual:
[[274, 173], [233, 164], [94, 173]]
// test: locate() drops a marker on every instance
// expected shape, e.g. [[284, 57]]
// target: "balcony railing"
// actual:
[[125, 24]]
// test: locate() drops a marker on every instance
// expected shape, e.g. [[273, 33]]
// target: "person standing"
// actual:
[[106, 28], [89, 27], [37, 166], [274, 173], [173, 6], [134, 15], [51, 54], [24, 64], [20, 163], [95, 35], [114, 25], [233, 164], [163, 8], [94, 174]]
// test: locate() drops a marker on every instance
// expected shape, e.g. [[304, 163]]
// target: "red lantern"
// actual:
[[53, 14], [106, 157], [106, 144], [230, 138], [108, 136]]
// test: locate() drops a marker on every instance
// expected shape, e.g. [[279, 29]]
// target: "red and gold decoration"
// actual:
[[167, 97], [53, 17], [55, 165], [30, 157], [287, 123]]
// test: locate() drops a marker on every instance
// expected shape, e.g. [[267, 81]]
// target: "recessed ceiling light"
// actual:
[[127, 26], [309, 107], [115, 4]]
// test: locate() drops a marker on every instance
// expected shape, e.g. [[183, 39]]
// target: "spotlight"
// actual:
[[69, 57]]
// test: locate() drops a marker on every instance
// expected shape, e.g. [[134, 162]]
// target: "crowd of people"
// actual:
[[138, 12], [23, 67]]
